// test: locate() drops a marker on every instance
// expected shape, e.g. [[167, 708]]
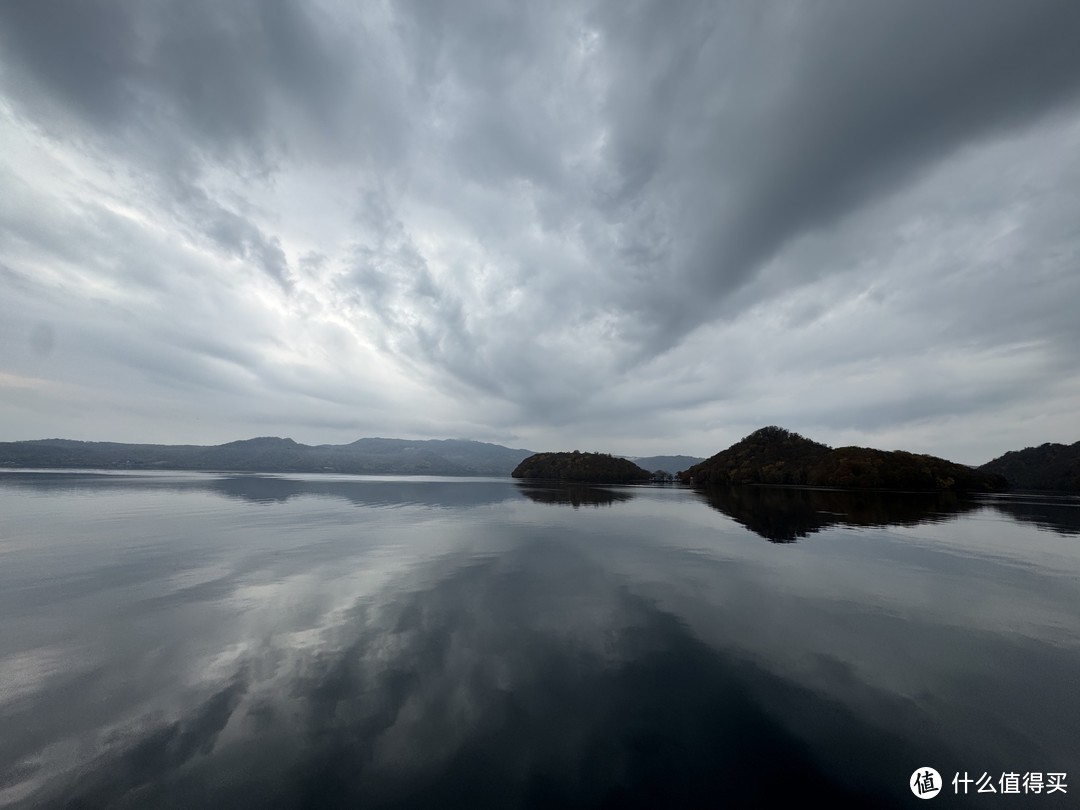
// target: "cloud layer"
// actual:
[[632, 227]]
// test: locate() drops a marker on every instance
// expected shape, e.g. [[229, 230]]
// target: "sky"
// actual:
[[628, 226]]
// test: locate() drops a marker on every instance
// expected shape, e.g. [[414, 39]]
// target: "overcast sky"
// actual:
[[636, 227]]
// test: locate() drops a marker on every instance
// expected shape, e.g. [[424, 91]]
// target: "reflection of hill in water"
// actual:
[[574, 495], [274, 489], [1053, 513], [782, 515]]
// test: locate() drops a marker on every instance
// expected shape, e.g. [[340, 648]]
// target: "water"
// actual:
[[186, 640]]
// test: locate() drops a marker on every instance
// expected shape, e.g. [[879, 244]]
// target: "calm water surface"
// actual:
[[186, 640]]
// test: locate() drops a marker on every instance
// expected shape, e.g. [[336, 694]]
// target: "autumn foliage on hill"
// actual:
[[773, 455], [577, 466], [1049, 466]]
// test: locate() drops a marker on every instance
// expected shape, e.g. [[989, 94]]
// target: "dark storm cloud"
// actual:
[[841, 103], [721, 152], [199, 75]]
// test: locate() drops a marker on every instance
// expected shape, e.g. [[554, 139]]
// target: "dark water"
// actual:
[[182, 640]]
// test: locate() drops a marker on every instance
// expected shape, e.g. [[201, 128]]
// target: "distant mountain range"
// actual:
[[770, 455], [671, 464], [271, 454]]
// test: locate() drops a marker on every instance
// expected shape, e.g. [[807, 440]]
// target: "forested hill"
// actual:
[[773, 455], [1048, 466], [577, 466], [272, 454]]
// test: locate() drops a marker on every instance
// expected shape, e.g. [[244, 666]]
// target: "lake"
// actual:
[[194, 640]]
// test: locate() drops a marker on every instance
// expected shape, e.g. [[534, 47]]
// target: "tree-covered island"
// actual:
[[773, 455], [1050, 466], [599, 468]]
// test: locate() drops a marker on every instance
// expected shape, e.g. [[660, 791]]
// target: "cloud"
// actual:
[[843, 106], [196, 80], [597, 223]]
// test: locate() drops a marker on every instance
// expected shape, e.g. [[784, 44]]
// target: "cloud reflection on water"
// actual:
[[289, 644], [534, 679]]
